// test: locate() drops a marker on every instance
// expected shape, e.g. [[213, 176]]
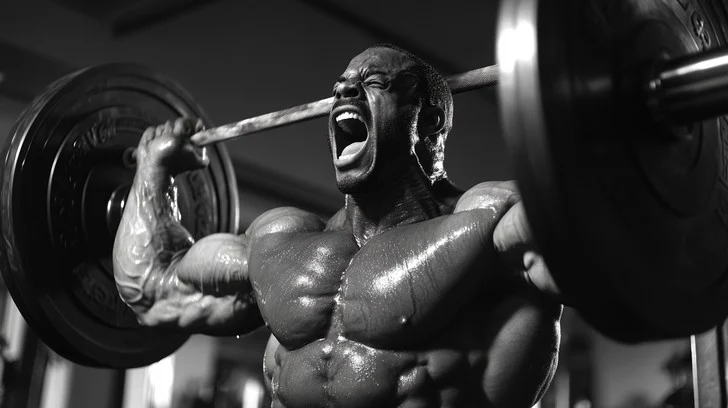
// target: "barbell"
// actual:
[[610, 109]]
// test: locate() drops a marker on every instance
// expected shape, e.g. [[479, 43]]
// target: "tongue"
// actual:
[[352, 148]]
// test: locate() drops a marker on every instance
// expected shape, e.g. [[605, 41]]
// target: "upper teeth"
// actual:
[[349, 115]]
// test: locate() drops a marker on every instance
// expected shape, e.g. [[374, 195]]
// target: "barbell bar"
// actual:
[[689, 89], [684, 91], [463, 82]]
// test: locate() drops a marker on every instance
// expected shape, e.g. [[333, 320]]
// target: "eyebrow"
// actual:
[[366, 73], [375, 72]]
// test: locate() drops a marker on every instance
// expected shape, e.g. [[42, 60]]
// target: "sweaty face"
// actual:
[[373, 115]]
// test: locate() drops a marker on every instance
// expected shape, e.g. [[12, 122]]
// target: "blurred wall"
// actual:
[[626, 375], [9, 111], [194, 364]]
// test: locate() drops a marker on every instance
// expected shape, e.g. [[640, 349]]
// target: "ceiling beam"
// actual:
[[383, 35], [127, 16], [154, 13]]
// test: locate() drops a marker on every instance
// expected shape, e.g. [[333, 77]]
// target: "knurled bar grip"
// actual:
[[463, 82]]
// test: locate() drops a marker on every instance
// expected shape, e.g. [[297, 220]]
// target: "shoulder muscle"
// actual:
[[490, 195], [284, 219]]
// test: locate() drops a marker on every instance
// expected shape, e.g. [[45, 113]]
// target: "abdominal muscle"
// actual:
[[345, 373]]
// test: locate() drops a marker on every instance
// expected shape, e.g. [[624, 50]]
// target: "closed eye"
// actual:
[[377, 81]]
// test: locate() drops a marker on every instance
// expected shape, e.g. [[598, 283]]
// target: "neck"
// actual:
[[408, 198]]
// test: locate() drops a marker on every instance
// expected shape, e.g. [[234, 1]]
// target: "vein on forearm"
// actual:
[[150, 240]]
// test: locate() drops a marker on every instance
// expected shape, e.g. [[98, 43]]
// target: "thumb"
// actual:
[[514, 242], [512, 236], [537, 275]]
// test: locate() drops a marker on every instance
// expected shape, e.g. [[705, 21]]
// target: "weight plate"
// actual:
[[67, 170], [631, 216]]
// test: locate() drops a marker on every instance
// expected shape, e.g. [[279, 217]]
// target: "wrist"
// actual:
[[153, 172]]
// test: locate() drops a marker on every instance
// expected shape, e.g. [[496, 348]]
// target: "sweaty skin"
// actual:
[[415, 294]]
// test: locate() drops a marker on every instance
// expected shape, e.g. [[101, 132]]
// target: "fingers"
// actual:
[[170, 146], [187, 126], [180, 127], [513, 233], [183, 127], [148, 135], [514, 242], [163, 129]]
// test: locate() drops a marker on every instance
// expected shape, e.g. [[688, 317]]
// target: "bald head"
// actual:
[[432, 91]]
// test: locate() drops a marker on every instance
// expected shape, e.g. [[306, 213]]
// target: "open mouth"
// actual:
[[351, 135]]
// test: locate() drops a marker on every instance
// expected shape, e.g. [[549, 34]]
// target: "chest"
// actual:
[[406, 283]]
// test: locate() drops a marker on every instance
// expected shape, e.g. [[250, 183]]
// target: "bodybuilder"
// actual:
[[414, 294]]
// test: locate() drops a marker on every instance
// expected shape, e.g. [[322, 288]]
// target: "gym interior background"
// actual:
[[240, 59]]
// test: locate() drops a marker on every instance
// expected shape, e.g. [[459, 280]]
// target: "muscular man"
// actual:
[[412, 295]]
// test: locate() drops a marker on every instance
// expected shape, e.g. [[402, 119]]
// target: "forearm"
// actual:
[[207, 289], [171, 281], [197, 312], [149, 239], [523, 354]]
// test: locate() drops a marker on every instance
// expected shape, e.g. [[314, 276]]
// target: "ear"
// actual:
[[431, 121]]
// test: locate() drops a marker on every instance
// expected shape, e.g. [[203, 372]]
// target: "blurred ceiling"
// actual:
[[423, 27], [129, 15]]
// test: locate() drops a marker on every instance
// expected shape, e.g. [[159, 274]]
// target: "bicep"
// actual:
[[523, 355], [216, 264], [206, 289]]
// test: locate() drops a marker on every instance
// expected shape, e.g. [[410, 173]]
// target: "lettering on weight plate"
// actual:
[[697, 20], [722, 206], [67, 183], [100, 300], [80, 147], [723, 163], [201, 193], [700, 29], [204, 219], [197, 182], [722, 187], [100, 132]]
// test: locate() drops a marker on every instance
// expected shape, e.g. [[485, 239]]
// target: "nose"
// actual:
[[348, 89]]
